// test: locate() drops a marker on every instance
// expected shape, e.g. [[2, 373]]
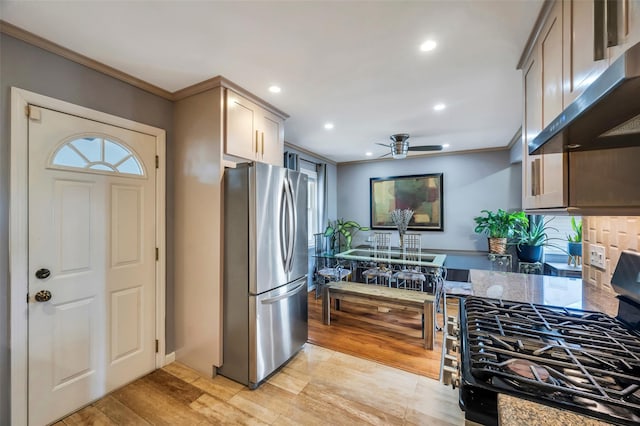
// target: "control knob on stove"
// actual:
[[451, 343], [452, 326]]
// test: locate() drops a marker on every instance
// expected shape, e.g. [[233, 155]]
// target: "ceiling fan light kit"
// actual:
[[400, 146]]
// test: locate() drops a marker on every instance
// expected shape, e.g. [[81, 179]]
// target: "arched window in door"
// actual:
[[98, 154]]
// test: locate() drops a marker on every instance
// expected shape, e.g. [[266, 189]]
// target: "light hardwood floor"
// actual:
[[318, 387], [391, 338], [367, 367]]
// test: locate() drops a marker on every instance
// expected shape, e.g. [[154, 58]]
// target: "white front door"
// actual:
[[92, 260]]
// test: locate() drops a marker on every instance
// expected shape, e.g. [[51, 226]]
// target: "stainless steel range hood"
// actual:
[[606, 115]]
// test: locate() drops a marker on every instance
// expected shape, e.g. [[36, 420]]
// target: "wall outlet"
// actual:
[[596, 256]]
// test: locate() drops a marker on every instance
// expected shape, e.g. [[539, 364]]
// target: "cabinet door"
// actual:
[[552, 179], [628, 27], [240, 134], [532, 85], [580, 67], [271, 139], [551, 52]]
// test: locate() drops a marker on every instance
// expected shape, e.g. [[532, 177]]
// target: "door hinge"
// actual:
[[157, 162], [157, 253], [157, 345], [27, 297]]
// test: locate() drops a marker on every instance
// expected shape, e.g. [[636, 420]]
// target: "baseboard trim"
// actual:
[[169, 358]]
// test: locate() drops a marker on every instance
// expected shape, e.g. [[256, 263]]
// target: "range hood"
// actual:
[[606, 115]]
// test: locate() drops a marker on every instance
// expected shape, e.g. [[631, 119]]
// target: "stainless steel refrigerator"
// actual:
[[265, 270]]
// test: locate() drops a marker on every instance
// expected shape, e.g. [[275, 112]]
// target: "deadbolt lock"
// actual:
[[43, 273]]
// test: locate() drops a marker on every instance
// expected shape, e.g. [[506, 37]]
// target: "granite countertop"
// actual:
[[517, 412], [540, 289]]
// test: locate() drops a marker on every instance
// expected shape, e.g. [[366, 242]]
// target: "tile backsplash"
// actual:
[[616, 234]]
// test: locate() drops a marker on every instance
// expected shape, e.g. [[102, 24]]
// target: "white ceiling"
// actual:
[[355, 64]]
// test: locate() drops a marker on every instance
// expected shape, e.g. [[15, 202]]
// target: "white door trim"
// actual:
[[19, 237]]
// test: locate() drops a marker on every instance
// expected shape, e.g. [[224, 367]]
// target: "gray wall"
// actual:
[[472, 182], [332, 172], [33, 69]]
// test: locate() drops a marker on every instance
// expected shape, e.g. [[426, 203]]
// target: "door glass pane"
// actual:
[[114, 153], [91, 148], [66, 156], [95, 153]]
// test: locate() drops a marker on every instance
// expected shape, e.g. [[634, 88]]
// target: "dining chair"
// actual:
[[377, 274], [410, 277]]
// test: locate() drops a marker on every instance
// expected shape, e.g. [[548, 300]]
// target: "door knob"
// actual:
[[43, 296], [43, 273]]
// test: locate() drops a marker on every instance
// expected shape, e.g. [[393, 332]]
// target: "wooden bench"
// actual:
[[392, 298]]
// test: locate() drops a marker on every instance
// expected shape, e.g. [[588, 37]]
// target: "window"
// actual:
[[97, 154], [558, 236], [312, 201]]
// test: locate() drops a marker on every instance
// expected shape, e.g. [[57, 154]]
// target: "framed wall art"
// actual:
[[421, 193]]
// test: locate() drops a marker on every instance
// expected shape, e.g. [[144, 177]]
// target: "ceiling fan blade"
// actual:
[[383, 144], [426, 148], [385, 155]]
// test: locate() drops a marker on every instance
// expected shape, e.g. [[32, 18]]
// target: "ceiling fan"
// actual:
[[400, 146]]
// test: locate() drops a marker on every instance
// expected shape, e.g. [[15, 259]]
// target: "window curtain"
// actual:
[[291, 161], [323, 196]]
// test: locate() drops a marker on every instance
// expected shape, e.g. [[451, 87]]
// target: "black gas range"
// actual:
[[582, 361]]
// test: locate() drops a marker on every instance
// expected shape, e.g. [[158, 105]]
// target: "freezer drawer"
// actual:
[[279, 329]]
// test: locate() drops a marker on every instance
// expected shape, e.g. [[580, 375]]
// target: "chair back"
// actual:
[[381, 241], [411, 245]]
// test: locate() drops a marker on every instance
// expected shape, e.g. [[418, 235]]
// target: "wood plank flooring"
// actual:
[[318, 386], [391, 338]]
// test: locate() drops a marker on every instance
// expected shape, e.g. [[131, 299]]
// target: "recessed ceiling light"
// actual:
[[428, 45], [439, 107], [275, 89], [368, 154], [446, 145], [328, 126]]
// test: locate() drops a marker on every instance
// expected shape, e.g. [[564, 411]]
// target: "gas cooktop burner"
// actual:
[[579, 360], [527, 369]]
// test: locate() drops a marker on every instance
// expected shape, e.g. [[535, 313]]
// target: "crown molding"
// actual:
[[49, 46], [220, 81], [309, 153]]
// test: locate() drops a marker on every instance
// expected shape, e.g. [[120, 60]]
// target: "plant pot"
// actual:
[[574, 249], [529, 254], [498, 245]]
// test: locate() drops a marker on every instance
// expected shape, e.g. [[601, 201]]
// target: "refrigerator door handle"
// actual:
[[284, 250], [293, 225], [285, 295]]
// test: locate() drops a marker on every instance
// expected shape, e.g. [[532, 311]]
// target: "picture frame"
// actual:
[[421, 193]]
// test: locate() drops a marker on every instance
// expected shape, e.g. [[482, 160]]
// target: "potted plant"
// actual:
[[498, 226], [575, 240], [339, 227], [531, 240]]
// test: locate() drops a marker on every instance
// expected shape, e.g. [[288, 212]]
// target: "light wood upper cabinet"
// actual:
[[580, 67], [271, 139], [251, 132], [532, 125], [628, 27], [544, 175], [551, 57], [239, 138]]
